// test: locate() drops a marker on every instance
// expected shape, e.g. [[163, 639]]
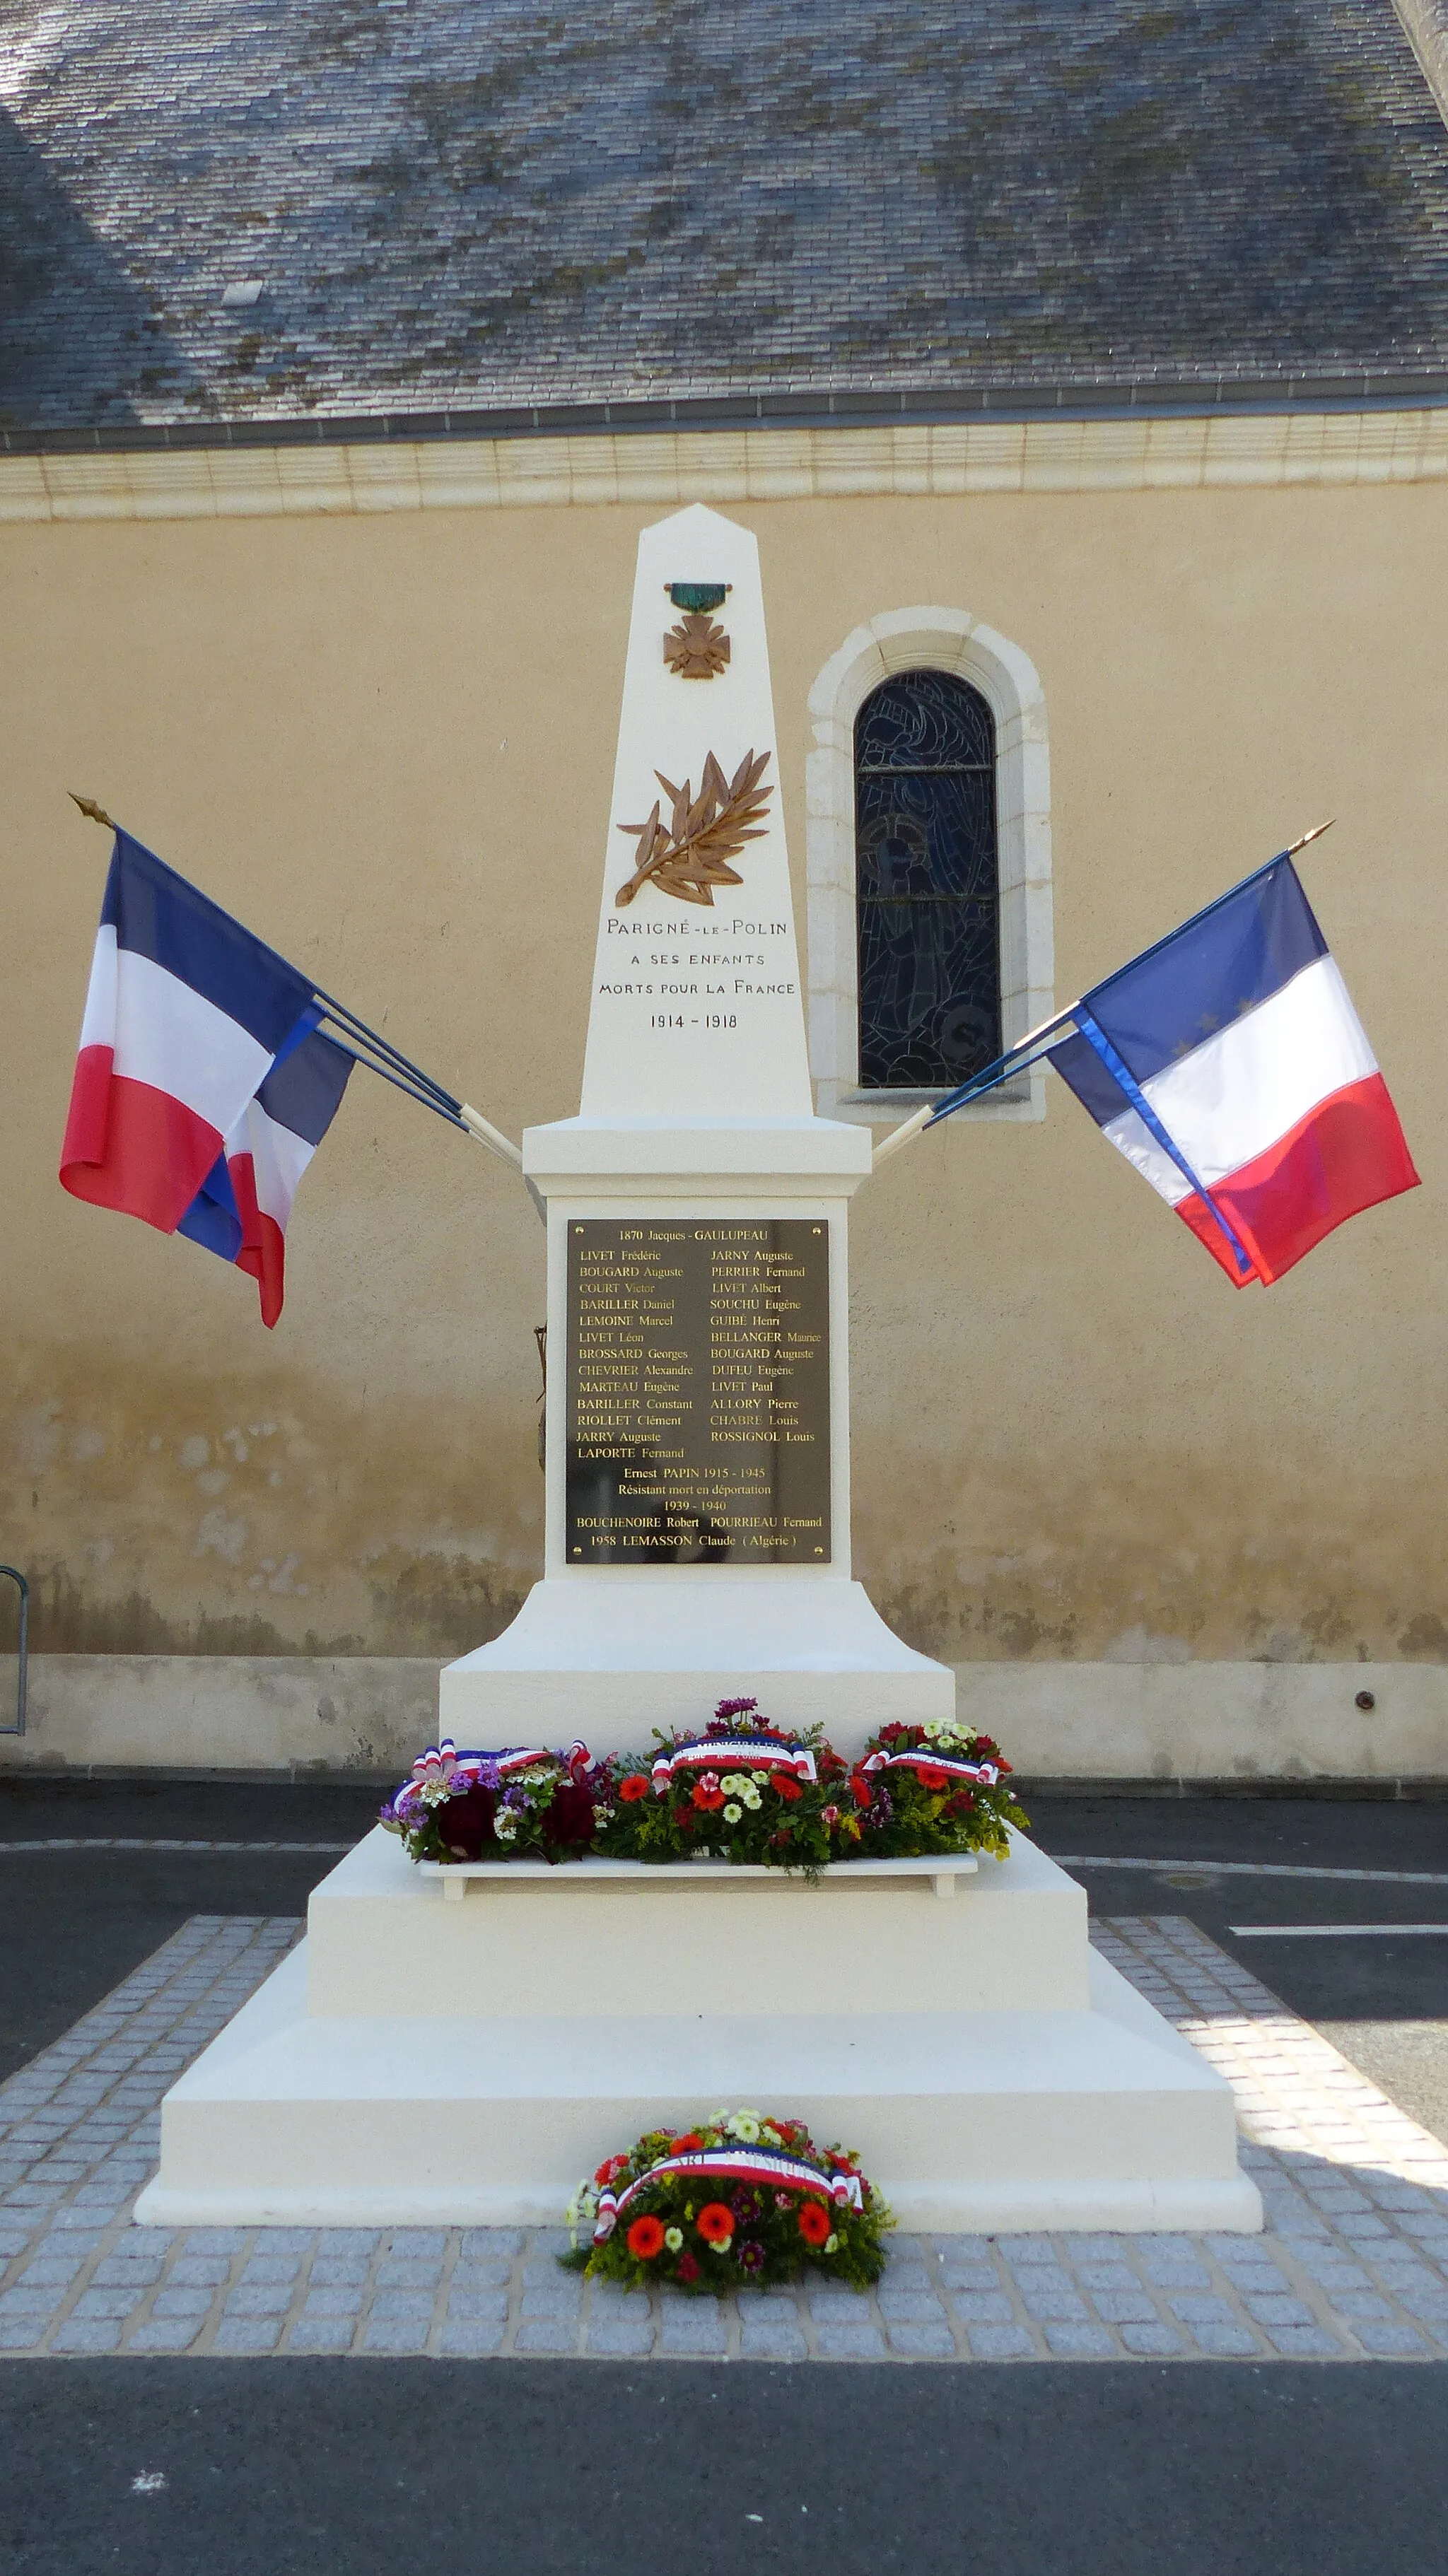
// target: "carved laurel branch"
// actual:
[[689, 855]]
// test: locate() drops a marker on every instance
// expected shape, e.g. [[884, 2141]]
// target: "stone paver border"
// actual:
[[1353, 2265]]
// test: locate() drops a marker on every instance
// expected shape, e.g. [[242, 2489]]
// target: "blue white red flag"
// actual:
[[203, 1085], [1229, 1066]]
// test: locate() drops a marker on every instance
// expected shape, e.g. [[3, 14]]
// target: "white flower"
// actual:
[[582, 2210], [745, 2126], [436, 1792], [761, 1779], [732, 1815], [674, 2239], [769, 2136], [735, 1784], [832, 2244], [505, 1824]]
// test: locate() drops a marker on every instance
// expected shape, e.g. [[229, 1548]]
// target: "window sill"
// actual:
[[892, 1108]]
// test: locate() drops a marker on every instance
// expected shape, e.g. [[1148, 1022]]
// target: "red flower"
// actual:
[[646, 2239], [687, 2267], [636, 1786], [930, 1777], [611, 2168], [682, 2146], [715, 2223], [892, 1733], [814, 2222], [788, 1788], [860, 1789], [707, 1792]]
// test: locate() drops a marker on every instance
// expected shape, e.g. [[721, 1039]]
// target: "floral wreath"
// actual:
[[740, 2201], [519, 1802], [742, 1791]]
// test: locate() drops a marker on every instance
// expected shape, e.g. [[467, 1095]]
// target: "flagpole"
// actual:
[[1015, 1059]]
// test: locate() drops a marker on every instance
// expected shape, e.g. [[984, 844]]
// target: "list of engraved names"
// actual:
[[698, 1392]]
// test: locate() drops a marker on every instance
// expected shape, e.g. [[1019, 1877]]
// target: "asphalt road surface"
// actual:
[[264, 2468], [352, 2468]]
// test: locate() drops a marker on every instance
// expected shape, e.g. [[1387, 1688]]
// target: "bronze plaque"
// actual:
[[698, 1391]]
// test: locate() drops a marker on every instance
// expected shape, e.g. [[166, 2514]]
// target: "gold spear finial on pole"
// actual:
[[1315, 834], [93, 812]]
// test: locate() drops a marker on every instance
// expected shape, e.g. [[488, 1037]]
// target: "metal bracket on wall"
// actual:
[[18, 1578]]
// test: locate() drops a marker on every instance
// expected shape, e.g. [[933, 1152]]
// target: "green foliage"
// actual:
[[914, 1806]]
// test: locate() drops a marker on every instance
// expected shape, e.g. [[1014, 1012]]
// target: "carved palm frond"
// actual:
[[690, 854]]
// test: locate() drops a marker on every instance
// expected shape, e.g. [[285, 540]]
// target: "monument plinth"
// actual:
[[421, 2060]]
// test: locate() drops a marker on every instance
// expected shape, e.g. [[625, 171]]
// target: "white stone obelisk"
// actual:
[[696, 1106]]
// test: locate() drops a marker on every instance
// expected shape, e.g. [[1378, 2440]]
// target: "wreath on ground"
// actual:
[[738, 2202]]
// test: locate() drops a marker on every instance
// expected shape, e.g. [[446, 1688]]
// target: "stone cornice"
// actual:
[[344, 478]]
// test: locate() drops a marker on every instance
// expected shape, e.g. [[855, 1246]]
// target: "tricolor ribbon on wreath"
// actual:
[[985, 1774], [733, 1753], [768, 2165], [447, 1773]]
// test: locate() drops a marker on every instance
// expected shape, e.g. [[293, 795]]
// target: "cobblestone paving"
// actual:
[[1354, 2263]]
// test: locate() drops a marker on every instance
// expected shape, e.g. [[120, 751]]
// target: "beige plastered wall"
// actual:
[[1162, 1527]]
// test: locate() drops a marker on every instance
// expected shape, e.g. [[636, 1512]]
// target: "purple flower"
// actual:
[[728, 1708], [751, 2255]]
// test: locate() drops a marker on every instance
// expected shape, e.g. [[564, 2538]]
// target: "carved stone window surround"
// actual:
[[943, 639]]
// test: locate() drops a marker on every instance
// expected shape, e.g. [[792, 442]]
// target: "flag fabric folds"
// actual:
[[242, 1208], [202, 1084], [1229, 1066]]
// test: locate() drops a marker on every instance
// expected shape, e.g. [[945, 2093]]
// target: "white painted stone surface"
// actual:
[[696, 1012], [992, 2072], [381, 1939], [614, 1652]]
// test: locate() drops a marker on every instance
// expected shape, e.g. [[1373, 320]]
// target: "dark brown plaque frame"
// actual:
[[698, 1391]]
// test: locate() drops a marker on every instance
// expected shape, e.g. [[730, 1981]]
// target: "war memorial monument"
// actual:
[[453, 2045]]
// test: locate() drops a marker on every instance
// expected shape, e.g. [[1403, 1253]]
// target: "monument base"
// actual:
[[363, 2086], [609, 1657]]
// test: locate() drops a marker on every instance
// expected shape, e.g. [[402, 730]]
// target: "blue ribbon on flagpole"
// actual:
[[1126, 1081]]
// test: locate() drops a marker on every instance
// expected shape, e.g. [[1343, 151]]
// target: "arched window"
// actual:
[[927, 883]]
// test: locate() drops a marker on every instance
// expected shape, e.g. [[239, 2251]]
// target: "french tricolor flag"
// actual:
[[203, 1084], [1229, 1066]]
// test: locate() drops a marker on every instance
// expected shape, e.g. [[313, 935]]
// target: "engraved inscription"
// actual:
[[698, 1392]]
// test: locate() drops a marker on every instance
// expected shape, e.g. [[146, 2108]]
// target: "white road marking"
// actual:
[[1258, 1869], [1332, 1931]]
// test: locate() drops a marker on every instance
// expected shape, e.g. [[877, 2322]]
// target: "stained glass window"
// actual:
[[928, 896]]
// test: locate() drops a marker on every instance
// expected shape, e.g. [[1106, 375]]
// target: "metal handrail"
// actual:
[[18, 1578]]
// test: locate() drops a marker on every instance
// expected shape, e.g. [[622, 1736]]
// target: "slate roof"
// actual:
[[469, 213]]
